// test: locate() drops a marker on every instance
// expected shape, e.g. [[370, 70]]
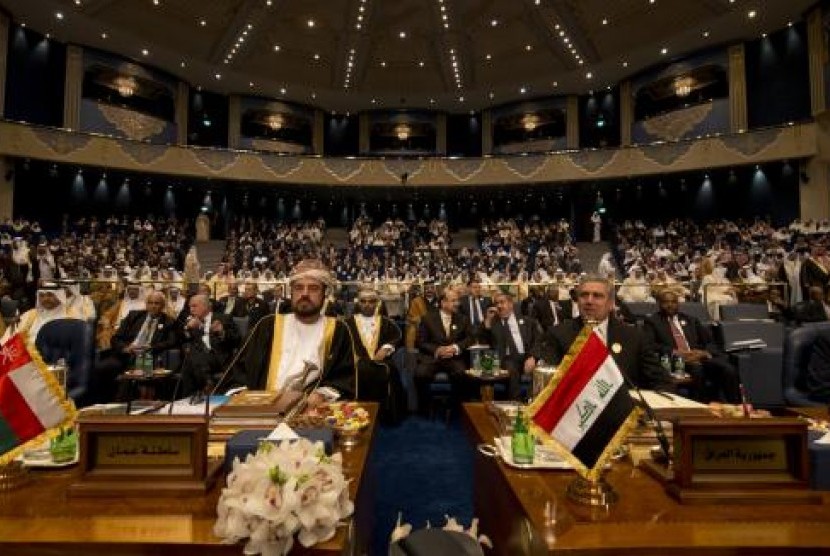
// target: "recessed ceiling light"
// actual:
[[488, 57], [374, 101], [789, 24], [664, 50], [218, 76], [183, 64], [104, 35], [357, 26], [421, 63], [432, 101], [310, 23], [202, 22], [402, 34], [59, 15], [145, 52], [316, 56], [77, 2], [156, 2], [277, 48], [522, 90], [313, 95], [494, 22], [461, 99], [706, 34], [528, 47], [251, 84], [555, 83], [763, 35], [491, 94], [383, 64], [752, 14], [625, 64], [282, 91], [589, 75], [605, 21]]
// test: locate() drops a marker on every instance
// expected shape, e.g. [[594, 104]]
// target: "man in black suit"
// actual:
[[474, 305], [517, 340], [255, 307], [210, 338], [443, 335], [376, 338], [813, 309], [232, 304], [677, 333], [151, 328], [632, 350], [550, 311]]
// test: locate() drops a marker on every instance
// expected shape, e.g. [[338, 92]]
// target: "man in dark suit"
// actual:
[[677, 333], [231, 304], [151, 328], [517, 340], [443, 336], [549, 311], [632, 350], [210, 338], [255, 307], [812, 309], [376, 338], [474, 305]]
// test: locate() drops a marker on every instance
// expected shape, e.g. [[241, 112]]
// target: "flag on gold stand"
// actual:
[[33, 406], [585, 412]]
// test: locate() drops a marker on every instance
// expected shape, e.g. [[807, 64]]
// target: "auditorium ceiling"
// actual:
[[454, 55]]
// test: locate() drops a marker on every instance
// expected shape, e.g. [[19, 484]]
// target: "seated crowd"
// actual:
[[222, 326]]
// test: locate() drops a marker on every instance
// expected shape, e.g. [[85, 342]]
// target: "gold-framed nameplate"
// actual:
[[741, 461], [124, 455]]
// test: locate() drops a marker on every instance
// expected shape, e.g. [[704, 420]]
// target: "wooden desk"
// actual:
[[40, 519], [511, 505]]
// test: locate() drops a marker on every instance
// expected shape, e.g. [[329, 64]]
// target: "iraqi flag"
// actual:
[[32, 403], [585, 412]]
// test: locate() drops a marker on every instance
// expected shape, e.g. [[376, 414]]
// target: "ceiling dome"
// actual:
[[360, 54]]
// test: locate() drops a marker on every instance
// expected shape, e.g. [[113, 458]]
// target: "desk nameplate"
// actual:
[[122, 455], [718, 460]]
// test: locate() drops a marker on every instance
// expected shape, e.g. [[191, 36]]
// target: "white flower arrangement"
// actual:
[[282, 490]]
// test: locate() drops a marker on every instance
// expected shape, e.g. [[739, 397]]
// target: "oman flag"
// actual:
[[585, 412], [31, 400]]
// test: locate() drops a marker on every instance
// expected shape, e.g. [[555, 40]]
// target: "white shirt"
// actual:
[[513, 327], [300, 342]]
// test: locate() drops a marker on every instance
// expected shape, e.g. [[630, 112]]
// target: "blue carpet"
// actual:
[[423, 469]]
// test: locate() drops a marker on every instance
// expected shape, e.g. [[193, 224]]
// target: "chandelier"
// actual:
[[402, 132], [683, 86], [126, 86], [275, 122], [530, 121]]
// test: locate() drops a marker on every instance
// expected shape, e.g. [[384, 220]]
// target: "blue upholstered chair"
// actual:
[[71, 340], [797, 350]]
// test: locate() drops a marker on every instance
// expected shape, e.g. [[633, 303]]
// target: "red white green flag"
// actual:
[[585, 412], [33, 404]]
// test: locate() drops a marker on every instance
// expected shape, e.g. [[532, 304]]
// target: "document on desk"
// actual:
[[185, 407], [666, 400]]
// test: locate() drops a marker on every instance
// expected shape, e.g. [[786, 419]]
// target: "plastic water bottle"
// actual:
[[665, 362], [522, 443], [679, 367]]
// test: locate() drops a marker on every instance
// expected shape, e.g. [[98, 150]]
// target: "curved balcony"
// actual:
[[794, 141]]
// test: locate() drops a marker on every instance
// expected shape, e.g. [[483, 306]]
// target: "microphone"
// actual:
[[658, 426]]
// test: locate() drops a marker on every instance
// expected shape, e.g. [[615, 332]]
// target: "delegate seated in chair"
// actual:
[[151, 328], [210, 338], [375, 339], [685, 335], [443, 336], [70, 340]]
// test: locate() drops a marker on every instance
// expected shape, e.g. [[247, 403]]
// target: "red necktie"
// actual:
[[680, 342]]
